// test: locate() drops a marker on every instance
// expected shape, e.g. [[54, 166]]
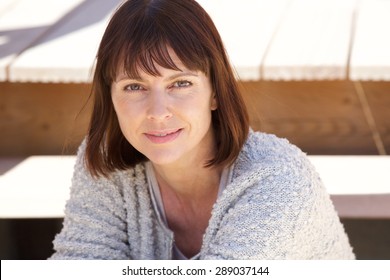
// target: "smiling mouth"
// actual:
[[161, 137]]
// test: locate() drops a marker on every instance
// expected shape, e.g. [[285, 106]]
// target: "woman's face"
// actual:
[[167, 118]]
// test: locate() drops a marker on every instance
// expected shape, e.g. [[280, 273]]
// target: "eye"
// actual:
[[133, 87], [182, 84]]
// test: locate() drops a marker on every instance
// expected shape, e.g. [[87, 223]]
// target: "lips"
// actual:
[[164, 136]]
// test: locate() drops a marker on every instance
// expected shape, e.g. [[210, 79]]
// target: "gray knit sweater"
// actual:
[[275, 207]]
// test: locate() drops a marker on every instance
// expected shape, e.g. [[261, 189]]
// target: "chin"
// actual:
[[166, 159]]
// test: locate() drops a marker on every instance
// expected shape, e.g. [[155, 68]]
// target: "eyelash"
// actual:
[[188, 83], [174, 85], [129, 87]]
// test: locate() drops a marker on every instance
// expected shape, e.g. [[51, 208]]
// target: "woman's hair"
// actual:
[[139, 35]]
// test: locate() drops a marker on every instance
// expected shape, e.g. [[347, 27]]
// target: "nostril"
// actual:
[[159, 113]]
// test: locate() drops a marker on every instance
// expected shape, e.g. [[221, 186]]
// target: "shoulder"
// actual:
[[268, 149], [272, 181], [269, 172], [114, 186], [272, 160], [272, 171]]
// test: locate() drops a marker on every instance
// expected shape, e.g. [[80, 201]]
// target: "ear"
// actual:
[[214, 103]]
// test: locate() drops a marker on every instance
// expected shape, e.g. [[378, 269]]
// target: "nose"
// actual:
[[158, 109]]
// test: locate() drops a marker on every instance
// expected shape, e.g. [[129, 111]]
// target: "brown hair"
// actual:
[[138, 36]]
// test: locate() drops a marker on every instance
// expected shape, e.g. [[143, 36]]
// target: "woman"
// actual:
[[170, 168]]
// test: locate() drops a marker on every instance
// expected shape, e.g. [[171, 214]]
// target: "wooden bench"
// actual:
[[38, 187]]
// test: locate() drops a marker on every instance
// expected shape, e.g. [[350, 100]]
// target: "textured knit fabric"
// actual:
[[275, 207]]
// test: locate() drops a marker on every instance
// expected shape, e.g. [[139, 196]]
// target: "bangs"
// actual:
[[136, 58]]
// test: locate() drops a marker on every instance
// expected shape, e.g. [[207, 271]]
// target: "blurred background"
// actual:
[[316, 72]]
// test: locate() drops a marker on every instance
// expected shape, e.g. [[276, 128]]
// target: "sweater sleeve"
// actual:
[[94, 226], [284, 213]]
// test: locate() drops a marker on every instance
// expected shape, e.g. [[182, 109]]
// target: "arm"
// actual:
[[95, 219], [284, 212]]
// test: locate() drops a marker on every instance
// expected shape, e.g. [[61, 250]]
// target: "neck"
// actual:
[[194, 181]]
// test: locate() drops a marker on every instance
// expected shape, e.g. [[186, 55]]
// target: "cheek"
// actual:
[[127, 115], [120, 109], [200, 114], [123, 107]]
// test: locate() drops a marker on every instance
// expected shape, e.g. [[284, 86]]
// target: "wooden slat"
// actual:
[[67, 53], [246, 27], [42, 118], [370, 57], [378, 98], [24, 22], [320, 117], [312, 42]]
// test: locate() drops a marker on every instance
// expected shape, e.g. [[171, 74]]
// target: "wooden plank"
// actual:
[[321, 117], [312, 42], [370, 57], [24, 22], [43, 119], [246, 28], [378, 98], [67, 53]]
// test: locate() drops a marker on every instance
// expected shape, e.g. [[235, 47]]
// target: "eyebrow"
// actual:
[[170, 78], [182, 74]]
